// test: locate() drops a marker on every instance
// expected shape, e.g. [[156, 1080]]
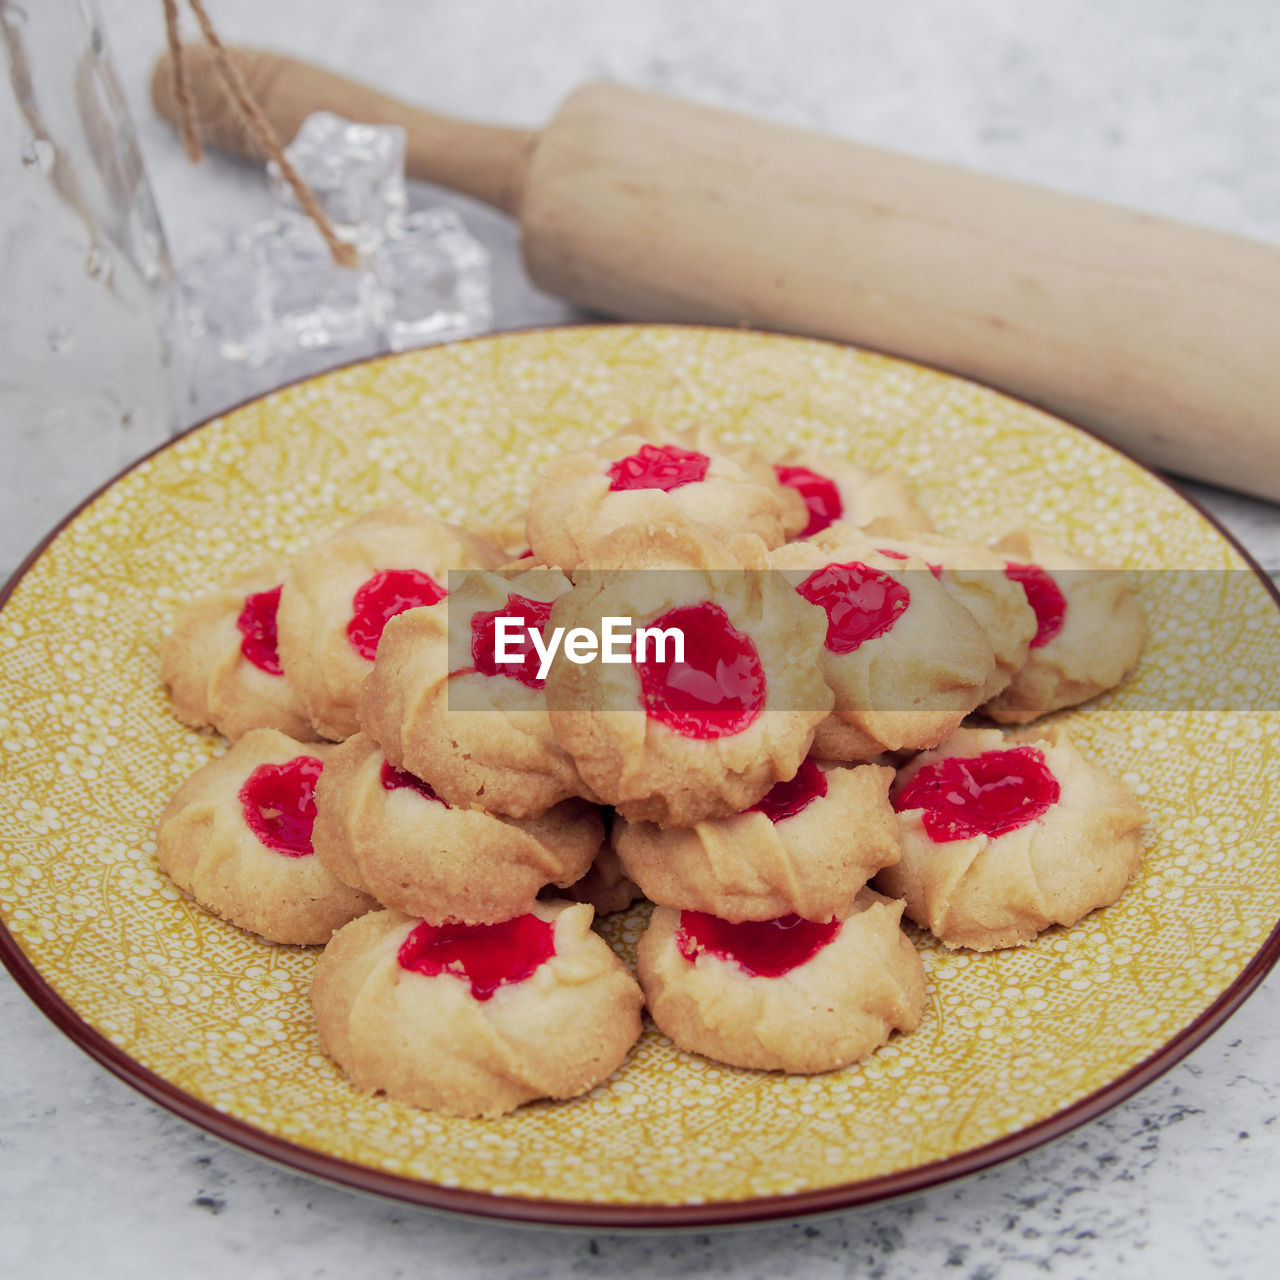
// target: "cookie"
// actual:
[[782, 995], [477, 731], [1089, 630], [834, 489], [338, 596], [1004, 835], [222, 664], [975, 578], [606, 886], [806, 849], [388, 834], [677, 741], [654, 475], [237, 837], [905, 661], [474, 1020]]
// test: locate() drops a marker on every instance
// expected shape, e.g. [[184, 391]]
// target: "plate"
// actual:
[[1015, 1047]]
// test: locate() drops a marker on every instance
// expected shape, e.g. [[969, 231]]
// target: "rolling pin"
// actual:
[[1160, 337]]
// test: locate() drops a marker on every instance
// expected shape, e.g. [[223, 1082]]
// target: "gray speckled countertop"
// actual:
[[1166, 105]]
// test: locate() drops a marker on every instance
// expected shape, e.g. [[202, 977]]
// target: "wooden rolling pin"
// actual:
[[1161, 337]]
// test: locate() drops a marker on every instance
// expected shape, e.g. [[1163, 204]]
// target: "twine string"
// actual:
[[251, 117], [181, 89]]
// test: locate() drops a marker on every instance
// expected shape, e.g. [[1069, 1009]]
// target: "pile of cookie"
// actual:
[[448, 817]]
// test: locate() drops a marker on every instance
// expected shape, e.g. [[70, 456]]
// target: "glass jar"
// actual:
[[87, 301]]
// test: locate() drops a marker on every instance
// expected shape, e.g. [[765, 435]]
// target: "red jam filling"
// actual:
[[484, 640], [660, 466], [278, 802], [488, 956], [786, 799], [379, 600], [1044, 596], [718, 689], [257, 627], [990, 794], [819, 493], [935, 569], [762, 948], [393, 779], [861, 603]]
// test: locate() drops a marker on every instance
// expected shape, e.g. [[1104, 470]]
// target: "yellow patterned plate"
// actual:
[[1015, 1046]]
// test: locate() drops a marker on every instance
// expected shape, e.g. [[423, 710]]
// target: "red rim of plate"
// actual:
[[570, 1213]]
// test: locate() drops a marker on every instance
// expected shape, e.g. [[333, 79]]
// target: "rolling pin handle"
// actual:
[[487, 162]]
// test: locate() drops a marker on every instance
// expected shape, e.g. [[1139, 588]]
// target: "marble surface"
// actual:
[[1164, 105]]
